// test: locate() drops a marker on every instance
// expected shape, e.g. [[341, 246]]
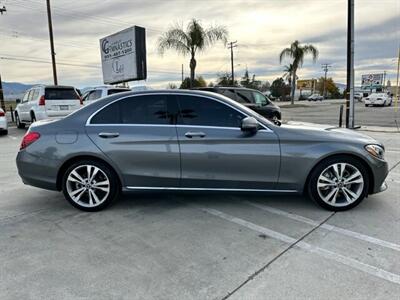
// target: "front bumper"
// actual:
[[380, 170]]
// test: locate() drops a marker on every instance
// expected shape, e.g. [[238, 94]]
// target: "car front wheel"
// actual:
[[339, 183], [18, 122], [90, 185]]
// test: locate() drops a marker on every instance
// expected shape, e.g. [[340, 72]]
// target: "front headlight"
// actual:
[[376, 151]]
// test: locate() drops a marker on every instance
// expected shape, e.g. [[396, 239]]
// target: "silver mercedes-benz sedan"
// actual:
[[195, 141]]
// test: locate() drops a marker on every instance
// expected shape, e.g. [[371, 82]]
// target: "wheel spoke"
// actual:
[[342, 167], [355, 175], [324, 178], [89, 172], [322, 184], [335, 196], [96, 170], [350, 196], [95, 198], [77, 176], [104, 189], [77, 198], [331, 193], [101, 183], [336, 170], [77, 191]]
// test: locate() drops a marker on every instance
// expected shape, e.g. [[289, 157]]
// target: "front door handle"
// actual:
[[108, 135], [192, 134]]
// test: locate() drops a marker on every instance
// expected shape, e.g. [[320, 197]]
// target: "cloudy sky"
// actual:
[[261, 27]]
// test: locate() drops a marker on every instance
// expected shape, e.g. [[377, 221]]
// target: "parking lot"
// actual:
[[327, 112], [201, 246]]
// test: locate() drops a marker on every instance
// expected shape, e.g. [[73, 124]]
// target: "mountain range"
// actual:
[[14, 90]]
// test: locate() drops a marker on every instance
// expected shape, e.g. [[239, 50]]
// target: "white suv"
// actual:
[[46, 101], [94, 94]]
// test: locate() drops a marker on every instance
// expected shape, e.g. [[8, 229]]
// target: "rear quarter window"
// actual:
[[60, 94]]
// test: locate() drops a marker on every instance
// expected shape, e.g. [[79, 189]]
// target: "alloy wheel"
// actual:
[[88, 186], [340, 184]]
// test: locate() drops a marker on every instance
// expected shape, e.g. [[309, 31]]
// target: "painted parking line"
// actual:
[[12, 137], [340, 230], [372, 270]]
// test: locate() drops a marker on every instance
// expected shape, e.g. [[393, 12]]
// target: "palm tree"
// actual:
[[297, 53], [194, 38], [288, 69]]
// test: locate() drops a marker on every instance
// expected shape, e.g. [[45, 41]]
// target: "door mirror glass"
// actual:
[[18, 101], [249, 124]]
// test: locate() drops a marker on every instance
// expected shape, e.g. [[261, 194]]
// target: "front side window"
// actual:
[[203, 111], [149, 109]]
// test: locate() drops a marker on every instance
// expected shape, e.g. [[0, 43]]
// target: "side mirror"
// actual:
[[18, 101], [249, 124]]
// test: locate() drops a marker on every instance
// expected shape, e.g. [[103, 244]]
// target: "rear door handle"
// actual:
[[108, 135], [192, 134]]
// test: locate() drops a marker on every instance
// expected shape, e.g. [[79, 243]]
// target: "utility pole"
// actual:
[[384, 79], [325, 67], [182, 73], [231, 46], [2, 104], [53, 54], [350, 65]]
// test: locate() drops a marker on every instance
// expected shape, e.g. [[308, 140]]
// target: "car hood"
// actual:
[[327, 133]]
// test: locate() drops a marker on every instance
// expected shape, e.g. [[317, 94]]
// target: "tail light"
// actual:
[[42, 101], [2, 114], [29, 138]]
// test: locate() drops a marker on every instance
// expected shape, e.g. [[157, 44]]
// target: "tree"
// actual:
[[297, 52], [188, 42], [288, 69], [171, 86], [225, 79], [331, 87], [279, 89], [250, 83], [198, 82]]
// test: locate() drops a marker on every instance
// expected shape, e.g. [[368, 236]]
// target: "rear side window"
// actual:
[[60, 94], [207, 112], [228, 93], [244, 96], [150, 109], [93, 95]]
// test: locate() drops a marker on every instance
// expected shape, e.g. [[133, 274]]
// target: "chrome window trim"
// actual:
[[206, 189], [161, 93]]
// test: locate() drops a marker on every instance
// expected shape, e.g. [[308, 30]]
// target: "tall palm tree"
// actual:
[[297, 52], [288, 69], [194, 38]]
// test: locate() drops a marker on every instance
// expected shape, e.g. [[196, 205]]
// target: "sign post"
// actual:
[[123, 56]]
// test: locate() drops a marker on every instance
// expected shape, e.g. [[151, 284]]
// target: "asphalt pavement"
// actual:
[[197, 246]]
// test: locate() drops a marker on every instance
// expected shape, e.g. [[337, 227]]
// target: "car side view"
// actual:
[[195, 141]]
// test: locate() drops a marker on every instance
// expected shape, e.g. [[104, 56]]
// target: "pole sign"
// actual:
[[306, 84], [123, 56], [370, 80]]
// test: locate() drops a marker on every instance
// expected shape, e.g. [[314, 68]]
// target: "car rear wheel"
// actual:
[[339, 183], [20, 125], [90, 185]]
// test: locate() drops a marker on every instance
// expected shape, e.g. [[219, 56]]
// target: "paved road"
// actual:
[[327, 112], [196, 246]]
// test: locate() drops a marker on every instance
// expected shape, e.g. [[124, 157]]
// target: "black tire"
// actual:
[[323, 165], [20, 125], [114, 186], [33, 117], [3, 132]]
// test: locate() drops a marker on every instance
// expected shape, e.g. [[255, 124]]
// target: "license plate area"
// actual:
[[63, 107]]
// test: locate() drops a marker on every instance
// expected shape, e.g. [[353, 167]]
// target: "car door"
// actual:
[[24, 107], [217, 154], [138, 134]]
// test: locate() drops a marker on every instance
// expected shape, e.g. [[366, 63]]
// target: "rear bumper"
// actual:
[[3, 124], [37, 171]]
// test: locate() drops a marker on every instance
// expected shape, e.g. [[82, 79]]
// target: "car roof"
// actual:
[[223, 88], [54, 86]]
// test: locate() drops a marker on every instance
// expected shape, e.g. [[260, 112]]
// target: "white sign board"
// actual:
[[119, 56], [371, 79]]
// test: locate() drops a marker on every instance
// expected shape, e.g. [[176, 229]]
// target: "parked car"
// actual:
[[46, 101], [252, 99], [315, 97], [94, 94], [3, 122], [358, 96], [195, 141], [381, 99]]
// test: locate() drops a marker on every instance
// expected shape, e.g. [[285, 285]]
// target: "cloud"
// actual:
[[261, 27]]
